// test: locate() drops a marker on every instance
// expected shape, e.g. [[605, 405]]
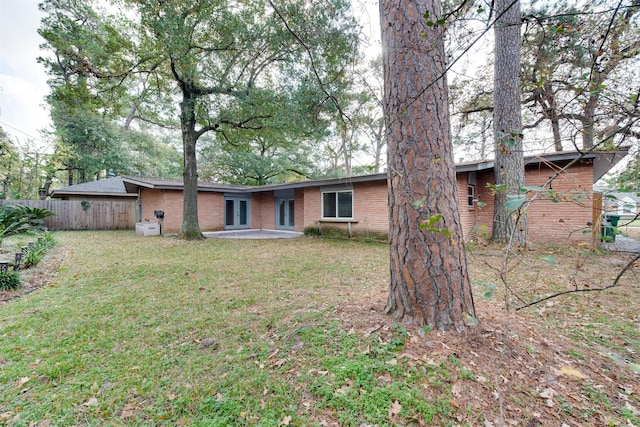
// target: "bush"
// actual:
[[311, 231], [21, 219], [35, 254], [9, 280]]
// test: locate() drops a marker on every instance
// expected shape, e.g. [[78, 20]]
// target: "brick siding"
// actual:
[[548, 221], [210, 209]]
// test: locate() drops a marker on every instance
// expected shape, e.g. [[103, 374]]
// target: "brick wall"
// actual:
[[263, 210], [549, 221], [299, 210], [210, 209], [370, 212]]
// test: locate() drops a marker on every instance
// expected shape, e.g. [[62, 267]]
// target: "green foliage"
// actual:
[[21, 167], [495, 188], [490, 287], [15, 219], [311, 231], [37, 252], [9, 280], [515, 202], [430, 225]]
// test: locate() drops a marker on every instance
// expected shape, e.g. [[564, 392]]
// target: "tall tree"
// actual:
[[581, 73], [429, 279], [216, 60], [507, 124]]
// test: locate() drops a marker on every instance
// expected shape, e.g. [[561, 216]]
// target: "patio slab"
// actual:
[[253, 234], [623, 244]]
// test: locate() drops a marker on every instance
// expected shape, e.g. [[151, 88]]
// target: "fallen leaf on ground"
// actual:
[[395, 409], [342, 390], [632, 409], [91, 402], [285, 421], [128, 411], [548, 394], [567, 370]]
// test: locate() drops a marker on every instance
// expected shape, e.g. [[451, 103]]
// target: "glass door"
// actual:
[[237, 212], [285, 214]]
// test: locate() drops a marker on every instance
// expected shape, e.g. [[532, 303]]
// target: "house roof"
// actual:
[[603, 161], [104, 187], [131, 185], [122, 186], [621, 196]]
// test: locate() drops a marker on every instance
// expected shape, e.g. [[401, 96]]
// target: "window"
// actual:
[[471, 195], [337, 204]]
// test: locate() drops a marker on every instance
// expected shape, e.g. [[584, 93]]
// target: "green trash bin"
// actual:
[[614, 219], [609, 224]]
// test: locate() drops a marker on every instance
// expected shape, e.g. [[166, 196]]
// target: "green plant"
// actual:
[[15, 219], [33, 256], [576, 354], [36, 253], [85, 205], [9, 280], [311, 231]]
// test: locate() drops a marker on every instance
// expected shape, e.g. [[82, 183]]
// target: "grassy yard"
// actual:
[[154, 331]]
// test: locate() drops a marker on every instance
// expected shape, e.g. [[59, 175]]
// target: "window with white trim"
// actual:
[[471, 195], [337, 204]]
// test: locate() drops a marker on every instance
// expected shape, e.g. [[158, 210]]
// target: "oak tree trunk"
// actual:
[[508, 226], [429, 280], [190, 229]]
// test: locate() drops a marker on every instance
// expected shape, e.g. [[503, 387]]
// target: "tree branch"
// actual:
[[574, 291]]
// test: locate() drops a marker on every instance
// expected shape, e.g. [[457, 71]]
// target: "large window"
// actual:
[[337, 204]]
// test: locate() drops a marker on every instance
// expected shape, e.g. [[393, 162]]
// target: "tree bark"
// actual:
[[429, 280], [190, 229], [508, 226]]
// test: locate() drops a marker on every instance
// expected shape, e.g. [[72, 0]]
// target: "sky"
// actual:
[[23, 82]]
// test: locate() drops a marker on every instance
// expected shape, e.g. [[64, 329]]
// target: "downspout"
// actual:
[[139, 203]]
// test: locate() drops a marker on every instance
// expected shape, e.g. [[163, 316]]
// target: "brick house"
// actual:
[[358, 205]]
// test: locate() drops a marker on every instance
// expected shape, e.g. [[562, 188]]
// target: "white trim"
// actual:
[[336, 218]]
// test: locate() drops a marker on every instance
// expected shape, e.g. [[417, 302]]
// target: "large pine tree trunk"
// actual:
[[429, 280], [507, 123], [190, 229]]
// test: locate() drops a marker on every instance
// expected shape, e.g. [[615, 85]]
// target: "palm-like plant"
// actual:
[[15, 219]]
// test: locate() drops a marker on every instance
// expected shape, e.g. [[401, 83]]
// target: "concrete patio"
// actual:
[[253, 234]]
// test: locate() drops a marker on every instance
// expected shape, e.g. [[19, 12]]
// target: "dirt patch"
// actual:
[[37, 277], [539, 366]]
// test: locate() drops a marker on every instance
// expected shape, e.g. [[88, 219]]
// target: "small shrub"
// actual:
[[9, 280], [311, 231], [33, 256], [47, 240], [36, 253]]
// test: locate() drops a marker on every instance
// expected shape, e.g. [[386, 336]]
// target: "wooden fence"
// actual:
[[93, 215]]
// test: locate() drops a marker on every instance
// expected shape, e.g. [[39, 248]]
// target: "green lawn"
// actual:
[[118, 339], [147, 331]]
